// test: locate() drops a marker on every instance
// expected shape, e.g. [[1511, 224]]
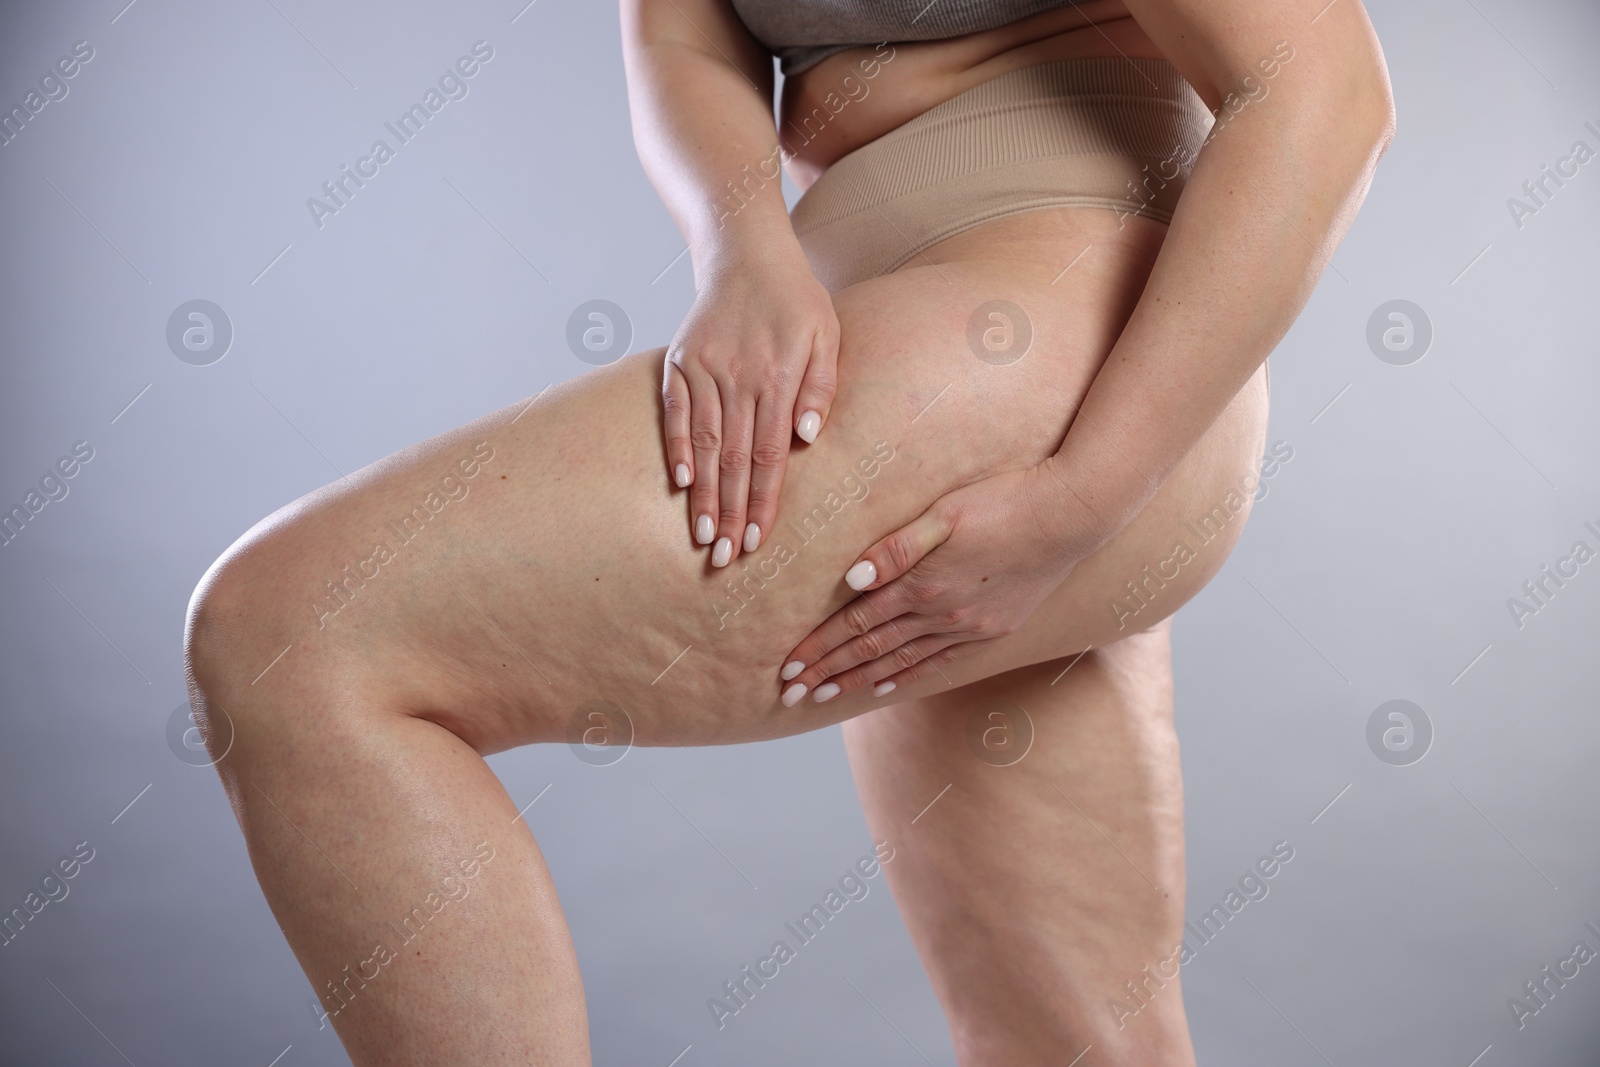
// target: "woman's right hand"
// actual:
[[753, 362]]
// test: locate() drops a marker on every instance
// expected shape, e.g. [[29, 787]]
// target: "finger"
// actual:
[[705, 438], [895, 555], [892, 672], [884, 641], [733, 471], [769, 458], [856, 619], [675, 423], [817, 387]]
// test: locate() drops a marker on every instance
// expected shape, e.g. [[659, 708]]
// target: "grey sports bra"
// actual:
[[802, 33]]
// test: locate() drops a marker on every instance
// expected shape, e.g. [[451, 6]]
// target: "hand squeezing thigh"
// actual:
[[753, 363]]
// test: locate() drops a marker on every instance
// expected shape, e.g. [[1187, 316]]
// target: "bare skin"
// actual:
[[555, 579], [1035, 890], [564, 577], [924, 74]]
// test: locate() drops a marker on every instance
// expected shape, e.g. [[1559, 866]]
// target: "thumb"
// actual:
[[821, 380], [895, 555]]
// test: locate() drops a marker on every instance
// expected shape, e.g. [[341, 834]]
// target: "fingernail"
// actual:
[[704, 529], [722, 553], [825, 692], [810, 423], [792, 668], [681, 473], [792, 695], [752, 537], [861, 575], [882, 688]]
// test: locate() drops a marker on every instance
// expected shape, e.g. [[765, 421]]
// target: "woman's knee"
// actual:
[[227, 612], [253, 655]]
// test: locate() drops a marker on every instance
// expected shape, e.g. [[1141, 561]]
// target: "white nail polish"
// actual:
[[704, 529], [752, 537], [882, 689], [792, 668], [810, 423], [682, 475], [722, 553], [792, 695], [861, 575], [825, 692]]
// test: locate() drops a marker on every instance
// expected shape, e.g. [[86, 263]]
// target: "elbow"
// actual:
[[1353, 97], [1357, 122], [1378, 126], [1368, 130], [1386, 136], [1373, 97]]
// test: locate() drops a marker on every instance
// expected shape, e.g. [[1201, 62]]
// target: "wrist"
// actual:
[[758, 236]]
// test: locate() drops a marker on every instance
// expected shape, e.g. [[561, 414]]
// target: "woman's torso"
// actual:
[[857, 95]]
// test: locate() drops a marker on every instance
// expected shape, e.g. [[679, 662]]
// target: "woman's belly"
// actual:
[[857, 95]]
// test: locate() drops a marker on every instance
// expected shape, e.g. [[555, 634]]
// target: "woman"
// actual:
[[1029, 382]]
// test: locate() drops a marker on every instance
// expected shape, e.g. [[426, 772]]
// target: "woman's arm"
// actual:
[[700, 97], [754, 361], [1270, 197]]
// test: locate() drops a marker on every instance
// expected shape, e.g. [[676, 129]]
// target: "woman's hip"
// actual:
[[1118, 135]]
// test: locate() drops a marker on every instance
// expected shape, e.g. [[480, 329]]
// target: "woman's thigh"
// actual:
[[517, 577]]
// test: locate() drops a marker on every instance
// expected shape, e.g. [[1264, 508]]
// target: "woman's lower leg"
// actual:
[[413, 896], [1037, 821]]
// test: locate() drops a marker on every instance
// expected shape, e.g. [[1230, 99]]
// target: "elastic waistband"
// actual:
[[1115, 133]]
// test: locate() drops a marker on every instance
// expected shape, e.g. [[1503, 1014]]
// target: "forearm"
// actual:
[[1265, 206], [700, 96]]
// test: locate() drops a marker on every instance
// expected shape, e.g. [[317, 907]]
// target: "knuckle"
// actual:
[[741, 369], [734, 459], [823, 380], [868, 646], [705, 438], [859, 678], [767, 455], [899, 550], [909, 675], [906, 655], [778, 381], [744, 375], [856, 620], [991, 625]]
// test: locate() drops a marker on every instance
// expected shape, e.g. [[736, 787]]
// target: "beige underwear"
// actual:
[[1115, 133]]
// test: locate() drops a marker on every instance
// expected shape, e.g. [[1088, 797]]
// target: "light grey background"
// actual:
[[1377, 567]]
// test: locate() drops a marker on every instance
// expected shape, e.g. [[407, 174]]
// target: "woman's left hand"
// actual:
[[970, 569]]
